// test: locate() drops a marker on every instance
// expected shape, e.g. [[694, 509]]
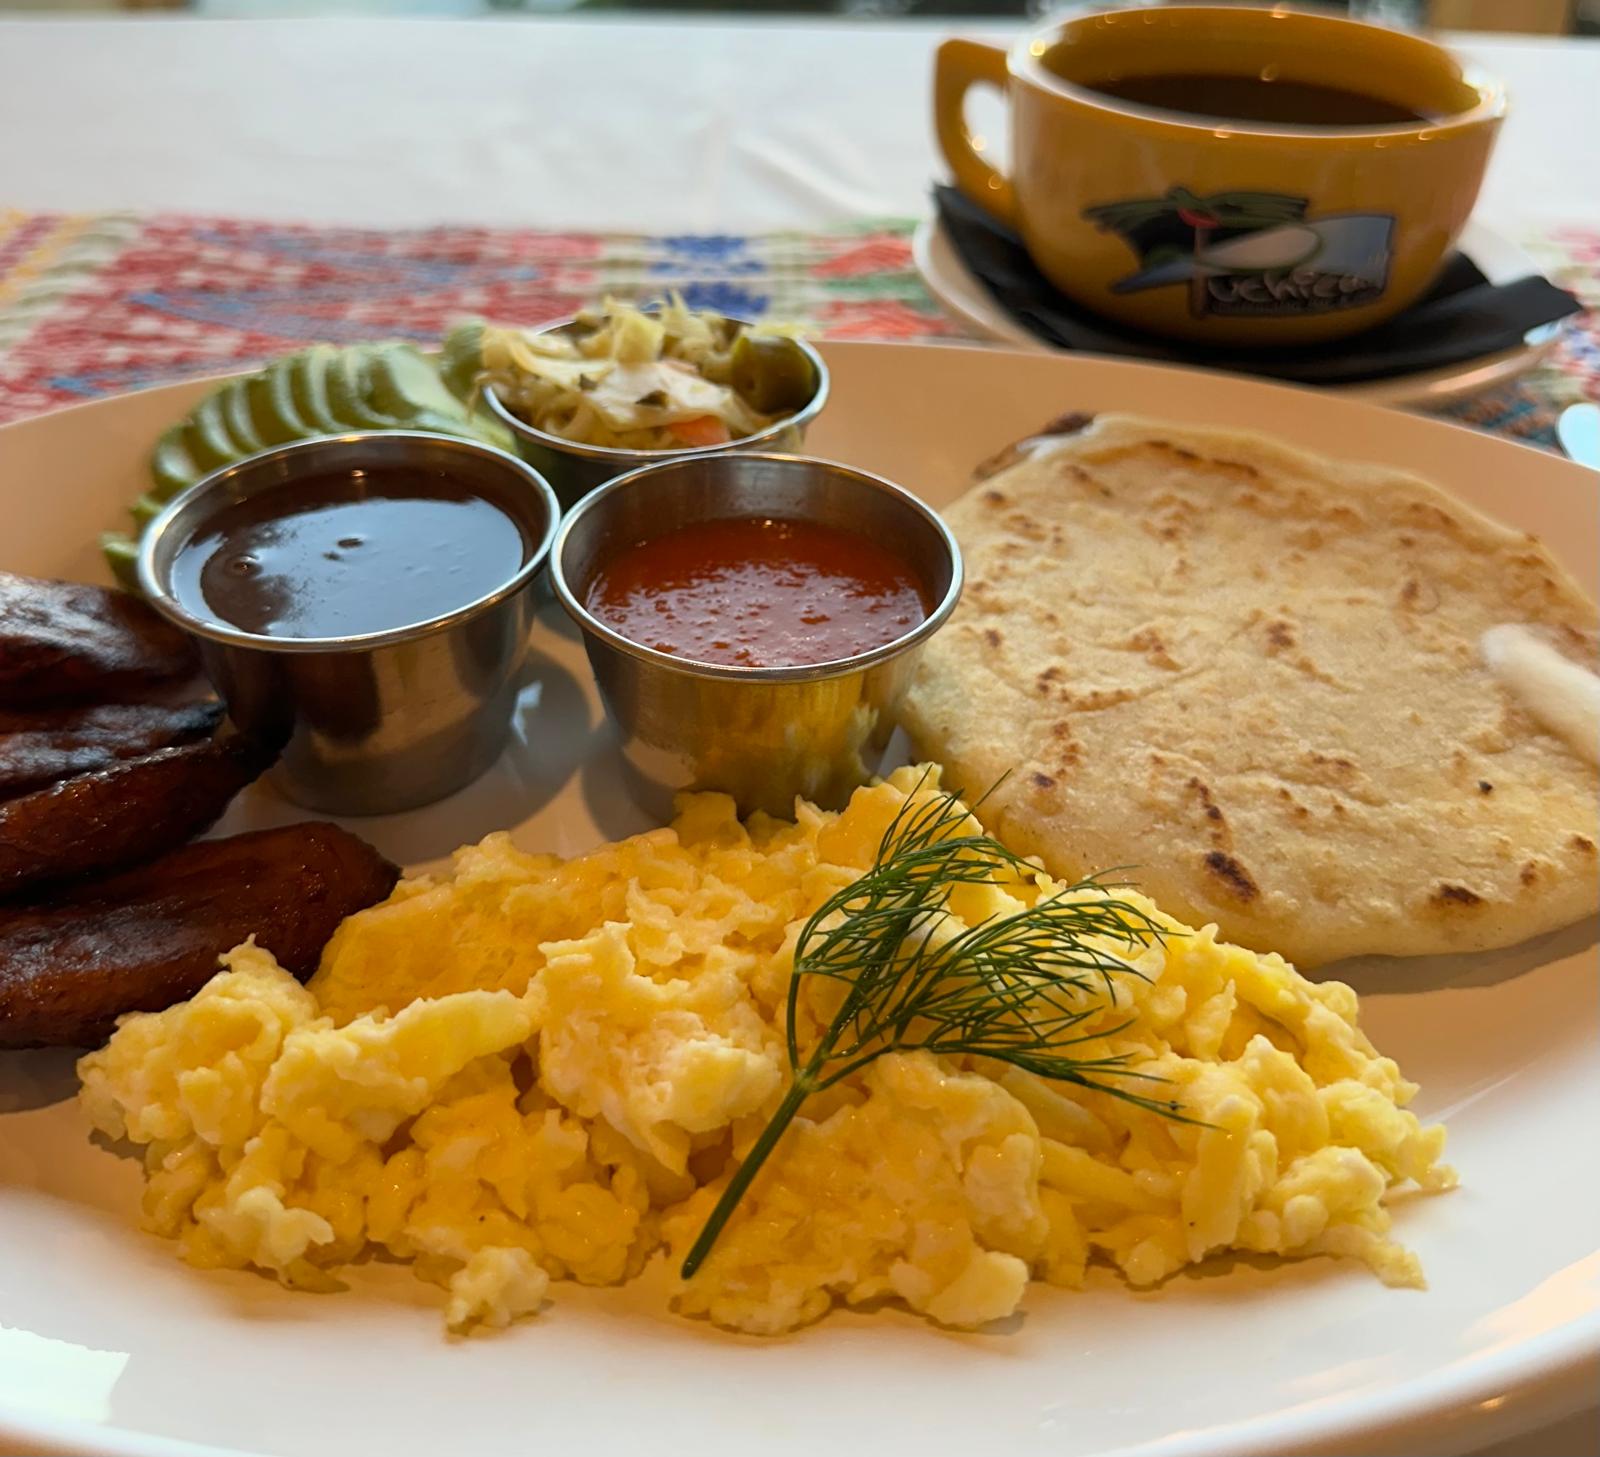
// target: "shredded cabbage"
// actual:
[[625, 378]]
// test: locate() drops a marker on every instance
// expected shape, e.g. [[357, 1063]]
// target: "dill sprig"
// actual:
[[1016, 988]]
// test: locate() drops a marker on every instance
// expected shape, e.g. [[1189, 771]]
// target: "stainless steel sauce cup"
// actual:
[[383, 721], [763, 735], [575, 470]]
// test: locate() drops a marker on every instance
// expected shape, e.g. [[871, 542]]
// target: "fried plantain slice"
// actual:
[[68, 642], [116, 817], [43, 745], [72, 963]]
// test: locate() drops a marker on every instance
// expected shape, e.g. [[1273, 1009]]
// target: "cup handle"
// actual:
[[958, 66]]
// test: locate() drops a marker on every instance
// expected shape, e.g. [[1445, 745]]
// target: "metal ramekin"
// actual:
[[383, 721], [763, 735], [575, 470]]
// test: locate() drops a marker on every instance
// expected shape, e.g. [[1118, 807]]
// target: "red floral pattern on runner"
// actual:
[[94, 305], [879, 253]]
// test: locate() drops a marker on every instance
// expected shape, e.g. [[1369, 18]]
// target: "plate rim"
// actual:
[[1538, 1378], [979, 350], [1539, 1387], [1548, 1377], [962, 296]]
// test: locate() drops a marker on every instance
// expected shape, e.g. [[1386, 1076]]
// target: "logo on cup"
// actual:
[[1250, 254]]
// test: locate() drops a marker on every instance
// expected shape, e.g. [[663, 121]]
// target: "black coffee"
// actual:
[[1250, 98]]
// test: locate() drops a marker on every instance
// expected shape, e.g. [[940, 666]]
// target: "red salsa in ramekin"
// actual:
[[759, 592]]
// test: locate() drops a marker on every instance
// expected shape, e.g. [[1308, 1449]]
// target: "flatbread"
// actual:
[[1253, 677]]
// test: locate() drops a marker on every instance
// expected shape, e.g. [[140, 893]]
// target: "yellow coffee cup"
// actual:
[[1281, 221]]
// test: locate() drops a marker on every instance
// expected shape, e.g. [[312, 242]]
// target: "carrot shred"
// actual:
[[701, 430]]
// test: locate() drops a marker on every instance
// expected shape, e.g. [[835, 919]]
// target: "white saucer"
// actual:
[[1501, 260]]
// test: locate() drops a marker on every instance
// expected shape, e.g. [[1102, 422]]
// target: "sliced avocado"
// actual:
[[206, 435], [405, 384], [171, 467], [272, 406], [308, 385], [122, 556], [460, 359], [348, 391], [236, 415], [492, 432], [442, 424], [146, 509]]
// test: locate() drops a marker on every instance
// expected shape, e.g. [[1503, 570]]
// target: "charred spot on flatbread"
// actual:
[[1068, 424]]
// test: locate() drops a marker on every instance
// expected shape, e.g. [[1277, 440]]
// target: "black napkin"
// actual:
[[1463, 316]]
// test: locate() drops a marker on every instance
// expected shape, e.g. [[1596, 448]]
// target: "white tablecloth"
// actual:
[[662, 126], [659, 126]]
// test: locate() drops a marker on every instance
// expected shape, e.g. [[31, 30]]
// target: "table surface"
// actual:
[[659, 126], [626, 125]]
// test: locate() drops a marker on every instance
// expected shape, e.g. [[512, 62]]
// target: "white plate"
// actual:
[[1500, 260], [108, 1344]]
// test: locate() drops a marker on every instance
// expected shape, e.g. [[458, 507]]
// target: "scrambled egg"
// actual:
[[533, 1069]]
